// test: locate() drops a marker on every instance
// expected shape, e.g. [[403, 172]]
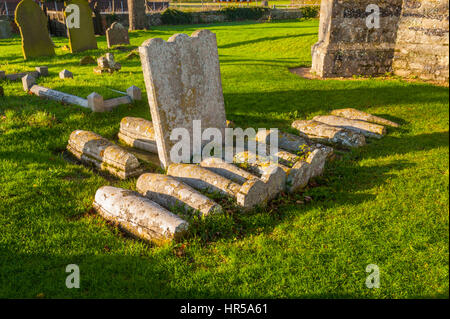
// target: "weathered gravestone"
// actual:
[[183, 83], [82, 38], [32, 23], [5, 29], [356, 37], [117, 34]]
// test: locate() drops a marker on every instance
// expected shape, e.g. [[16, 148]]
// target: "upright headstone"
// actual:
[[32, 23], [117, 34], [82, 38], [183, 83], [5, 29]]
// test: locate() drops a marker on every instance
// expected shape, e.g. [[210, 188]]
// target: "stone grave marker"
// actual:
[[183, 83], [32, 24], [82, 38], [117, 34], [5, 29]]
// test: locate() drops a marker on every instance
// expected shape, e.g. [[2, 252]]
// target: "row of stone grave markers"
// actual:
[[36, 41], [183, 83]]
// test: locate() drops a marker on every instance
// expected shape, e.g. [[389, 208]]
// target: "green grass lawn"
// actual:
[[384, 204]]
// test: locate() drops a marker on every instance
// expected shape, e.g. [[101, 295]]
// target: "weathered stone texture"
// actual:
[[138, 215], [117, 34], [138, 133], [32, 23], [328, 134], [183, 83], [5, 29], [363, 116], [361, 127], [422, 46], [82, 38], [169, 192], [94, 149], [412, 40]]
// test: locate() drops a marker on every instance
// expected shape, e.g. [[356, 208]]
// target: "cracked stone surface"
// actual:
[[91, 148], [183, 82], [365, 128], [354, 114], [138, 133], [138, 215], [169, 192], [328, 134]]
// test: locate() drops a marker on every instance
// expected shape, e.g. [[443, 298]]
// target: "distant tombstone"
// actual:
[[32, 23], [5, 29], [117, 34], [183, 83], [82, 37]]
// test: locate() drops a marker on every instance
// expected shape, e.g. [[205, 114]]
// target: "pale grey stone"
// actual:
[[65, 74], [365, 128], [42, 70], [134, 93], [58, 96], [117, 34], [95, 102], [138, 133], [183, 82], [138, 215], [169, 192], [363, 116], [27, 82]]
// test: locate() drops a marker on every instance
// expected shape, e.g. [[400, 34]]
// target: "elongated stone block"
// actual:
[[58, 96], [317, 160], [354, 114], [183, 83], [169, 192], [138, 215], [325, 133], [287, 141], [274, 179], [357, 126], [138, 133], [94, 149], [297, 176], [248, 195]]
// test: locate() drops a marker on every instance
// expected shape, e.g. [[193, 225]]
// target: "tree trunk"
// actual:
[[136, 13]]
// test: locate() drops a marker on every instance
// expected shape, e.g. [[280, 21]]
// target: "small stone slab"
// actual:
[[138, 133], [287, 141], [32, 24], [18, 76], [42, 70], [117, 34], [82, 38], [183, 82], [56, 95], [354, 114], [94, 149], [27, 82], [169, 192], [138, 215], [134, 93], [65, 74], [365, 128], [328, 134], [248, 195]]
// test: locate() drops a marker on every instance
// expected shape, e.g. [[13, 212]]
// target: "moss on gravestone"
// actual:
[[82, 38]]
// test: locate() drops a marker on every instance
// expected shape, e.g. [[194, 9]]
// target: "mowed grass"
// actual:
[[384, 204]]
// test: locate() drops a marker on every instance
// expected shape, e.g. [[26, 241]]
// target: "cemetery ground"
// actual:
[[384, 204]]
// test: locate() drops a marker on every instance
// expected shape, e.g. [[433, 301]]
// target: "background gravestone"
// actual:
[[32, 23], [117, 34], [183, 83], [5, 29], [82, 38]]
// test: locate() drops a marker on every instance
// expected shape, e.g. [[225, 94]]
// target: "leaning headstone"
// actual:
[[5, 29], [138, 215], [362, 127], [362, 116], [91, 148], [32, 23], [183, 83], [329, 134], [65, 74], [83, 37], [117, 34], [169, 192]]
